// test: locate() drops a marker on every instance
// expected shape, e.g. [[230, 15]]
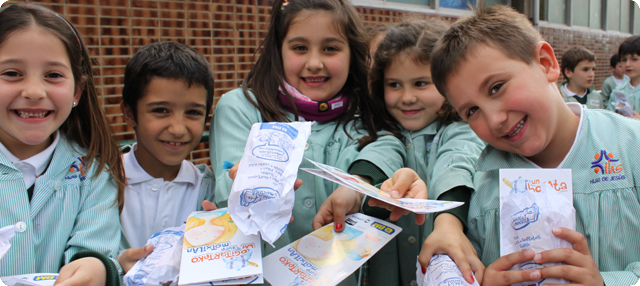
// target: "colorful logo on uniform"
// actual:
[[606, 164]]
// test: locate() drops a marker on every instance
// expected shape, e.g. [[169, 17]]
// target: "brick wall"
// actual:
[[227, 32]]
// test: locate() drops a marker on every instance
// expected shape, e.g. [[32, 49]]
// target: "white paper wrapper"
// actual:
[[622, 104], [35, 279], [532, 203], [262, 197], [6, 234], [162, 266], [442, 271]]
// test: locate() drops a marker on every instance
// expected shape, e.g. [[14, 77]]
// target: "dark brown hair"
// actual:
[[267, 75], [86, 125], [415, 39], [497, 26], [572, 57]]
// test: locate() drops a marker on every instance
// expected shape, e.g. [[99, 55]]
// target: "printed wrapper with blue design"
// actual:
[[215, 250], [532, 203], [326, 257]]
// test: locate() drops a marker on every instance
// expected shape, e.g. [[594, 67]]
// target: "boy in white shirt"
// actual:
[[167, 95], [617, 78]]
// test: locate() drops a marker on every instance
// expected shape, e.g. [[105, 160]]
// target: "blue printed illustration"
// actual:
[[299, 282], [256, 195], [454, 281], [525, 217], [438, 259], [517, 186], [277, 139], [239, 258]]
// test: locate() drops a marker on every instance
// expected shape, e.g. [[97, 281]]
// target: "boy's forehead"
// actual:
[[173, 90]]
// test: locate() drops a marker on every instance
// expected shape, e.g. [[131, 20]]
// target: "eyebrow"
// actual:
[[50, 63], [326, 40], [165, 103]]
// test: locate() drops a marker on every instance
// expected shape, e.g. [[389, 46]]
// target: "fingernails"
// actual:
[[339, 226], [424, 270], [535, 275], [529, 252], [537, 257], [472, 280], [148, 248], [556, 230], [395, 194]]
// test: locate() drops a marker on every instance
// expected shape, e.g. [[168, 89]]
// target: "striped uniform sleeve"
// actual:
[[97, 225]]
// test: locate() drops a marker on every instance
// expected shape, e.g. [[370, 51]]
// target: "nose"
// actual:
[[177, 127], [495, 118], [408, 98], [314, 62], [34, 89]]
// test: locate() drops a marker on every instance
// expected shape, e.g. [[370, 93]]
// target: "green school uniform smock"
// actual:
[[70, 212], [631, 93], [608, 86], [594, 98], [328, 144], [606, 211], [444, 157]]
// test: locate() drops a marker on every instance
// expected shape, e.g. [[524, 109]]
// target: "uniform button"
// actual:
[[154, 188], [413, 283], [411, 239], [409, 145], [57, 186], [21, 226], [308, 203], [306, 147]]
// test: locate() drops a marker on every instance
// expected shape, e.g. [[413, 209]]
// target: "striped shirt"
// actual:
[[606, 194], [70, 211]]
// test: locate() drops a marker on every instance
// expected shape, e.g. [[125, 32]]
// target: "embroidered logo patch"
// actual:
[[605, 163]]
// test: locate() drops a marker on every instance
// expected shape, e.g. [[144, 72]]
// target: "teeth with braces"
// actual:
[[24, 114], [518, 128]]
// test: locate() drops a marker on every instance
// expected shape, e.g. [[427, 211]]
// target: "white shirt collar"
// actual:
[[571, 93], [35, 165], [136, 174]]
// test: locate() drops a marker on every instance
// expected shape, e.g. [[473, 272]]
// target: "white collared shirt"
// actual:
[[35, 165], [152, 204]]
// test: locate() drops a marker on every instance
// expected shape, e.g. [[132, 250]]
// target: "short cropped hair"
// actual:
[[497, 26], [630, 46], [572, 57], [615, 59], [169, 60]]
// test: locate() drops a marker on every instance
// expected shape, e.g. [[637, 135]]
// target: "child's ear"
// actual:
[[127, 113], [546, 58]]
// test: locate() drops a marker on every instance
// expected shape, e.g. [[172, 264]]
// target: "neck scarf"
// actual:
[[313, 110]]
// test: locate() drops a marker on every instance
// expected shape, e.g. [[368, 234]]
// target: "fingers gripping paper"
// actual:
[[262, 197]]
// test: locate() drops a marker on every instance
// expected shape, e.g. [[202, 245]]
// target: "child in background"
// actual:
[[499, 74], [313, 66], [629, 52], [617, 78], [62, 178], [167, 95], [440, 147], [579, 68]]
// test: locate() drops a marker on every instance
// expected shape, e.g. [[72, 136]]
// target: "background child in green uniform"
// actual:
[[579, 68], [313, 66], [62, 179], [629, 52], [617, 78], [440, 147], [499, 74]]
